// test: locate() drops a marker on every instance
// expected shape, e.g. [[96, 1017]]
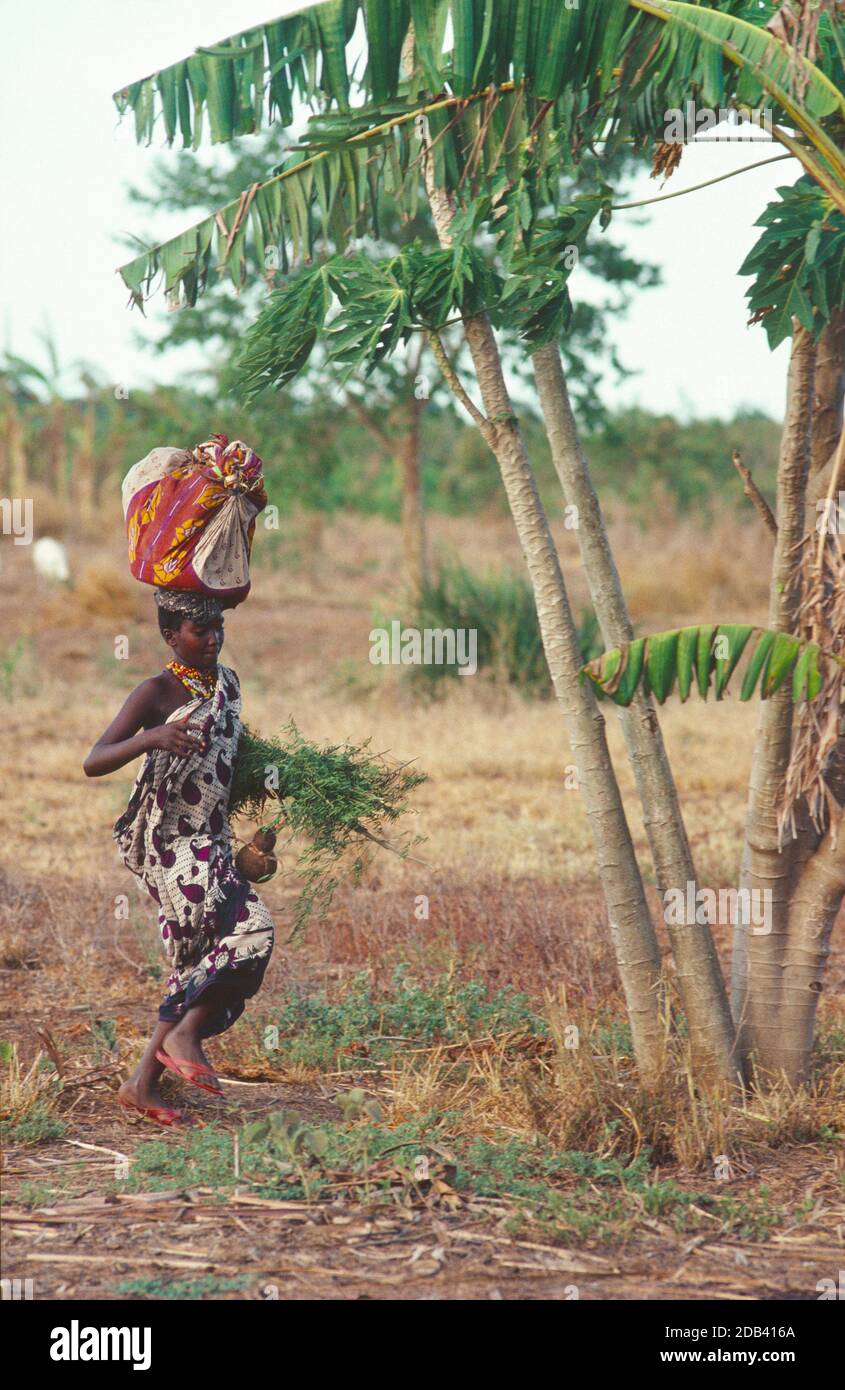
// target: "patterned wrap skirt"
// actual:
[[174, 837]]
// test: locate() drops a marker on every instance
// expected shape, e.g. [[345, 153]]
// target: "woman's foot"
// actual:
[[183, 1045], [139, 1092]]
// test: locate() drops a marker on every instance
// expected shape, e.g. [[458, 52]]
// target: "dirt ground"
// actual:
[[432, 1245], [508, 872]]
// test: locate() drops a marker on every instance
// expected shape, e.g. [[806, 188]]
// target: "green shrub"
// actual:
[[500, 609]]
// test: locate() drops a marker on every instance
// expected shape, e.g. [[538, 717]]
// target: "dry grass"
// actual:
[[694, 571], [25, 1089], [578, 1090]]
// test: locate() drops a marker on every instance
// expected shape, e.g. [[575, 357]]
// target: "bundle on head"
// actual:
[[340, 798]]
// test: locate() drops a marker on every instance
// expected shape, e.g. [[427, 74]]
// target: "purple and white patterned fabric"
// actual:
[[174, 837]]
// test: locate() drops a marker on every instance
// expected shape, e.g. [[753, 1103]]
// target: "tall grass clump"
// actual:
[[28, 1097], [500, 609]]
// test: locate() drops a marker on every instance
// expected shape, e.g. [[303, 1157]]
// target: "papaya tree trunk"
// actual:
[[816, 901], [818, 869], [632, 930], [760, 956], [16, 450], [634, 938], [828, 393], [700, 983], [414, 540]]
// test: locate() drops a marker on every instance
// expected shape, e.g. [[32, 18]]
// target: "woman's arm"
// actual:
[[127, 737]]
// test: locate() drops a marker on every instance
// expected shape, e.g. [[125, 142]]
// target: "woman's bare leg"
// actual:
[[142, 1086], [185, 1038]]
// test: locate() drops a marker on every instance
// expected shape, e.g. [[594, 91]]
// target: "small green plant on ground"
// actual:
[[104, 1033], [37, 1127], [204, 1286], [39, 1194], [206, 1159], [571, 1195], [28, 1098], [312, 1030]]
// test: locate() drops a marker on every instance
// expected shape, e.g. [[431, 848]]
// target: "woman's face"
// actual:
[[198, 644]]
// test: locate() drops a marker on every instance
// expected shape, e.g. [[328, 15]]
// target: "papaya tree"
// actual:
[[390, 404]]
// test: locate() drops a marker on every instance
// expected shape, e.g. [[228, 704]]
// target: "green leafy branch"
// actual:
[[709, 654], [362, 307], [334, 798], [798, 262]]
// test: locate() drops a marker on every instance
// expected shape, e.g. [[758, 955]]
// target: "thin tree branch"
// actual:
[[695, 188], [752, 491], [454, 383], [375, 430]]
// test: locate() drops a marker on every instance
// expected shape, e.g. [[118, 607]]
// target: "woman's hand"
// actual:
[[177, 737], [132, 733]]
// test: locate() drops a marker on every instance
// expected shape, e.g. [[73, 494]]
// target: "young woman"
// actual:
[[174, 837]]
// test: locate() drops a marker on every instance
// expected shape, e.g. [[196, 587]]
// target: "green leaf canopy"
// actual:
[[523, 88]]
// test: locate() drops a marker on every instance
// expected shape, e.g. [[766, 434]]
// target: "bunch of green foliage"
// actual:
[[336, 798], [709, 654], [798, 262]]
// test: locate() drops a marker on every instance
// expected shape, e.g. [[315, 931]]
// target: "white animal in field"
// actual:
[[50, 559]]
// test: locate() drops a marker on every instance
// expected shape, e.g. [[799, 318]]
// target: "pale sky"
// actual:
[[67, 163]]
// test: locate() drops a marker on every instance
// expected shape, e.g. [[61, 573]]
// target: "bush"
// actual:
[[500, 609]]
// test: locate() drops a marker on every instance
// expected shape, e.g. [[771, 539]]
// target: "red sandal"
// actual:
[[194, 1069], [159, 1114]]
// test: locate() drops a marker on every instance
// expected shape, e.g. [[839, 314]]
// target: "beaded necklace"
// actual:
[[198, 682]]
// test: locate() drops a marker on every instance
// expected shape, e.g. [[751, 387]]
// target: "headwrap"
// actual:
[[198, 607]]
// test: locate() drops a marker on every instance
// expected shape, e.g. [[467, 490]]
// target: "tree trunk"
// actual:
[[700, 982], [816, 900], [414, 541], [312, 531], [818, 878], [16, 451], [60, 450], [632, 930], [83, 473], [760, 960], [829, 390]]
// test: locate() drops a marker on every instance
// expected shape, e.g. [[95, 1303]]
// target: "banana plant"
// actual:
[[524, 86], [708, 655]]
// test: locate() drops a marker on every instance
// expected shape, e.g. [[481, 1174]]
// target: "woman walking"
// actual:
[[174, 837]]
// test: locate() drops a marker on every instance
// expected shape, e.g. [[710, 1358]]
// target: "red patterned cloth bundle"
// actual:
[[190, 517]]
